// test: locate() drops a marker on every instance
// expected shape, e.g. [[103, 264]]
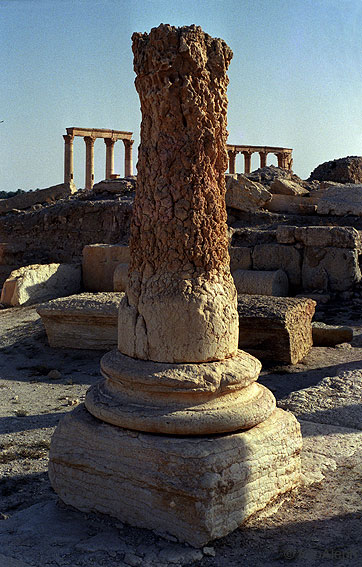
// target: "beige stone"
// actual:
[[180, 399], [330, 335], [322, 236], [240, 258], [287, 187], [244, 194], [335, 269], [274, 328], [39, 282], [279, 256], [341, 200], [84, 321], [293, 204], [261, 282], [30, 198], [99, 263], [196, 489], [120, 277], [197, 317]]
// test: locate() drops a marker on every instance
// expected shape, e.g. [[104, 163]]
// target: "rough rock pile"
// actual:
[[342, 170]]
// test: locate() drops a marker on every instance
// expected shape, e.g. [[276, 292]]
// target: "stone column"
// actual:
[[232, 157], [128, 163], [179, 245], [109, 157], [89, 161], [179, 310], [68, 159], [263, 156], [247, 161]]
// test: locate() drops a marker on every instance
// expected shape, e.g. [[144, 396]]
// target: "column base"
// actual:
[[195, 488]]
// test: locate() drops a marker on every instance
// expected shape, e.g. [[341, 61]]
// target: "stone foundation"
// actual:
[[196, 489]]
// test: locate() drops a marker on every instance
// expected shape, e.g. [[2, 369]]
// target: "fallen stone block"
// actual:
[[98, 264], [254, 282], [84, 321], [279, 256], [330, 335], [30, 198], [120, 277], [244, 194], [287, 187], [293, 204], [40, 282], [323, 236], [335, 269], [275, 329], [240, 258], [341, 200]]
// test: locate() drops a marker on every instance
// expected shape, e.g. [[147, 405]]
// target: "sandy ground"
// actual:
[[319, 524]]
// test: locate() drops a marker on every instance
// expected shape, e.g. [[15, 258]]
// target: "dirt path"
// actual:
[[320, 524]]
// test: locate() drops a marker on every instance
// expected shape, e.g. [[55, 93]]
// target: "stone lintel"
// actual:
[[100, 133]]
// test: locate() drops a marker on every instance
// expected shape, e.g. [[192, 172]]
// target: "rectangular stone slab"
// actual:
[[277, 329], [194, 488], [84, 321]]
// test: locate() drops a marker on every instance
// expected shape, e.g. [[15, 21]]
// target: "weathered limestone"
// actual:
[[195, 488], [179, 257], [292, 204], [120, 277], [274, 328], [336, 269], [261, 282], [177, 373], [330, 335], [245, 195], [39, 282], [84, 321], [240, 258], [47, 195], [287, 187], [279, 256], [341, 200], [342, 170], [99, 263]]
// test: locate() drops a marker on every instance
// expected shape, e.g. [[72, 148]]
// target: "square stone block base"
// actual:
[[194, 488]]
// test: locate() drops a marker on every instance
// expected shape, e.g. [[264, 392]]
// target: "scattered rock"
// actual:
[[54, 374], [244, 194], [330, 335], [342, 170]]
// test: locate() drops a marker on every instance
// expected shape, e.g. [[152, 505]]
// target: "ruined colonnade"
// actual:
[[284, 156], [90, 135]]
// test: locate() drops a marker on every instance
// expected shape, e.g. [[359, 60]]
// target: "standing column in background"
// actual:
[[68, 159], [109, 156], [89, 162]]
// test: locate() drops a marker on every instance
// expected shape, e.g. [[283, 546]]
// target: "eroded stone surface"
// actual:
[[39, 282], [180, 399], [275, 328], [99, 263], [84, 321], [179, 246], [244, 194], [261, 282], [196, 489]]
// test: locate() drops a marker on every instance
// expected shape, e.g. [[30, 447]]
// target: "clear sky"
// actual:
[[295, 78]]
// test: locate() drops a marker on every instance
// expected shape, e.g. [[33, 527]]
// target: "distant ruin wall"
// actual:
[[59, 233]]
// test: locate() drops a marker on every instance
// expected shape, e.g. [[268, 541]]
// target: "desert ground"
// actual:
[[318, 524]]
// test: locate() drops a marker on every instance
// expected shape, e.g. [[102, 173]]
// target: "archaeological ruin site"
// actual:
[[182, 342]]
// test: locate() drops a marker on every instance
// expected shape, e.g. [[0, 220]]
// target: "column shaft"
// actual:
[[263, 156], [89, 162], [232, 156], [247, 162], [128, 163], [109, 157], [68, 159]]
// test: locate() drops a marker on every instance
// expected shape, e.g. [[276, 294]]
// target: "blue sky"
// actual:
[[295, 78]]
